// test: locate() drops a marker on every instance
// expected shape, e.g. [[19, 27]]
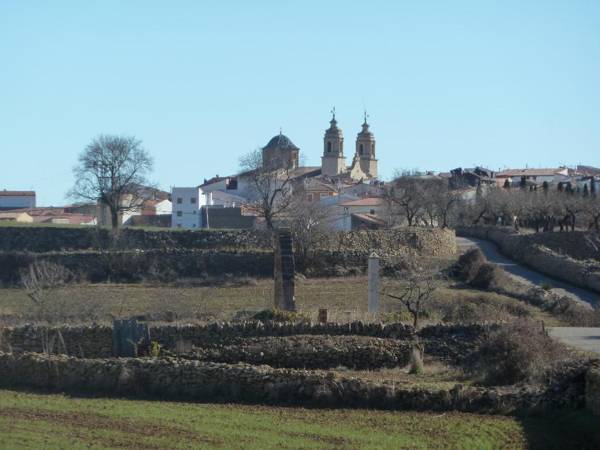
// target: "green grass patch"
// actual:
[[56, 421]]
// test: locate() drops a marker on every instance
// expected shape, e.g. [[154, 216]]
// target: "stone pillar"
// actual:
[[284, 271], [373, 283]]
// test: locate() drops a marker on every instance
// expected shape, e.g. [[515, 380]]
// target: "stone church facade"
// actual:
[[281, 153]]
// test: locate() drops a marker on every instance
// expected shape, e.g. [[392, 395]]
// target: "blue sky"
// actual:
[[446, 83]]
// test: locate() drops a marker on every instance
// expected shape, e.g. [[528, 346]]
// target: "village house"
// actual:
[[20, 217], [17, 199], [536, 177]]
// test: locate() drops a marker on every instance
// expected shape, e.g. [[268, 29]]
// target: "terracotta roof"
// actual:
[[6, 193], [369, 201]]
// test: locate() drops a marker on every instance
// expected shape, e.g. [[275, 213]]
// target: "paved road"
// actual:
[[526, 275], [587, 339]]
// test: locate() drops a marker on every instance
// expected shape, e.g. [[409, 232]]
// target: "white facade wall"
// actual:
[[343, 215], [186, 205], [164, 207]]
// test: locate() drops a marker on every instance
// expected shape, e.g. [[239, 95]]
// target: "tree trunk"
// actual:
[[114, 219], [416, 320]]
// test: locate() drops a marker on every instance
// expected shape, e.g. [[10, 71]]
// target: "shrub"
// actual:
[[473, 310], [468, 265], [516, 352], [489, 277]]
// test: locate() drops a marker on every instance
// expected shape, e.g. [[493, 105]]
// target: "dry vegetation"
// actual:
[[345, 298]]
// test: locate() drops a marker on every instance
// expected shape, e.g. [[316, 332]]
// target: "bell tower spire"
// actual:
[[365, 149], [333, 161]]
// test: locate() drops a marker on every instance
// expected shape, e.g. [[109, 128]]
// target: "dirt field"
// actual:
[[345, 298]]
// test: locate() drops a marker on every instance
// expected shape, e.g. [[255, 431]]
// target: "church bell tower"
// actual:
[[333, 161], [365, 150]]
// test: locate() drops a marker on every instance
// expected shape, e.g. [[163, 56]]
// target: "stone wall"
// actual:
[[446, 342], [56, 239], [310, 352], [137, 266], [592, 388], [397, 242], [140, 255], [425, 241], [528, 249], [170, 378]]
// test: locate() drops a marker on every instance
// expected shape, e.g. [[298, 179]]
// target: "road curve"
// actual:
[[527, 275]]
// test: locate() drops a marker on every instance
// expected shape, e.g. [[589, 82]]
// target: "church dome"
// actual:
[[281, 141]]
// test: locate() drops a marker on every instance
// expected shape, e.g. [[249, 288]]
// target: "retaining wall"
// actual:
[[169, 378], [592, 388], [426, 241], [447, 342]]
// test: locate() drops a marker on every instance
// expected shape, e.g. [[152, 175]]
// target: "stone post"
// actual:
[[373, 283], [285, 271]]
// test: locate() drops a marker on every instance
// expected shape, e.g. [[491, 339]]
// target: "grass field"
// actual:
[[34, 421], [346, 299]]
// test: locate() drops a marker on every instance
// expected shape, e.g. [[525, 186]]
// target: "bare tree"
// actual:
[[406, 195], [308, 221], [41, 280], [112, 171], [415, 292], [270, 188], [592, 211]]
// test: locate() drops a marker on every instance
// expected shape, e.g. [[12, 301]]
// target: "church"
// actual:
[[282, 153]]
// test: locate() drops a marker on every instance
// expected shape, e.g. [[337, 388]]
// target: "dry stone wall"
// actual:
[[310, 352], [592, 388], [139, 255], [529, 250], [170, 378], [217, 340]]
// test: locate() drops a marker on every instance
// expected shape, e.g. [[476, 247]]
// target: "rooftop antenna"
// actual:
[[333, 112], [280, 131], [366, 115]]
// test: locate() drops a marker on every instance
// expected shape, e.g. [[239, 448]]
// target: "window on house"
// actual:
[[232, 184], [309, 197], [372, 212], [179, 200], [179, 214], [193, 200], [360, 149], [329, 147]]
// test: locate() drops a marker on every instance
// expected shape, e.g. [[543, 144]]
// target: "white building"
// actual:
[[17, 199], [187, 203], [368, 206]]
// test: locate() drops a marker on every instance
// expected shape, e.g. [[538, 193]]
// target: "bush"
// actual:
[[489, 277], [516, 352], [473, 269], [468, 265], [475, 310]]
